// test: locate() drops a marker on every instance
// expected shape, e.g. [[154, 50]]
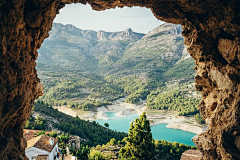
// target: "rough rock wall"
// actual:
[[24, 25], [211, 30]]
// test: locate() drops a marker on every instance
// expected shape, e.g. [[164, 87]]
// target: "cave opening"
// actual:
[[211, 31], [59, 71]]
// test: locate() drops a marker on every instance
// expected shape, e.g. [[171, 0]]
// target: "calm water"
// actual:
[[159, 131]]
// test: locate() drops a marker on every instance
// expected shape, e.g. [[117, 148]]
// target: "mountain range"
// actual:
[[85, 55], [104, 52]]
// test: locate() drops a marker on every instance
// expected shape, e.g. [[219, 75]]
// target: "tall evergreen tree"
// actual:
[[106, 125], [140, 144]]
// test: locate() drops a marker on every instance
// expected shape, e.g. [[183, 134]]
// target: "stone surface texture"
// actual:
[[211, 30]]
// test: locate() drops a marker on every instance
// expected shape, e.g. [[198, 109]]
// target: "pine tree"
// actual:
[[140, 144], [106, 125]]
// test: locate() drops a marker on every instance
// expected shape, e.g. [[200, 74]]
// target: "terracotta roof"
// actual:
[[31, 142], [42, 142], [42, 157]]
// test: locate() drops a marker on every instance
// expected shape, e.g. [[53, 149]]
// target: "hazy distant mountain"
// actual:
[[161, 46], [70, 46], [103, 52]]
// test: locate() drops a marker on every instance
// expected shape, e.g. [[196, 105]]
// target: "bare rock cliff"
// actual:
[[211, 30]]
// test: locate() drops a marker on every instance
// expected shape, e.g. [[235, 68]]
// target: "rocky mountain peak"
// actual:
[[101, 35], [128, 31], [167, 29]]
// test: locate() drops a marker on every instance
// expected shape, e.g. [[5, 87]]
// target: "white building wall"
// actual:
[[33, 152], [54, 152]]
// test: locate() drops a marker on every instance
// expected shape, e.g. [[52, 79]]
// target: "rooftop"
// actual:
[[42, 142], [30, 134]]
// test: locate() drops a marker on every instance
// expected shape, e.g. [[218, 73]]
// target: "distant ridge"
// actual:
[[112, 52], [78, 66]]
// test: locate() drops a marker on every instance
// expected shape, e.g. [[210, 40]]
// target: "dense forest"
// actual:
[[86, 90], [37, 123], [177, 100], [170, 150]]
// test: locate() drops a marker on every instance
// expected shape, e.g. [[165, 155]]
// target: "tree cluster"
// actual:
[[174, 100], [169, 150], [199, 119], [37, 123]]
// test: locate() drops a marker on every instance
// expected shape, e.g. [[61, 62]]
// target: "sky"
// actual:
[[119, 19]]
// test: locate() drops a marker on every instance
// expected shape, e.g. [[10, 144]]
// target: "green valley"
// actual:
[[88, 72], [86, 69]]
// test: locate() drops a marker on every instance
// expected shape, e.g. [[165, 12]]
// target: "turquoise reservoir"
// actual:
[[159, 131]]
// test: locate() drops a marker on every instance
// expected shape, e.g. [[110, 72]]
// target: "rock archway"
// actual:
[[212, 35]]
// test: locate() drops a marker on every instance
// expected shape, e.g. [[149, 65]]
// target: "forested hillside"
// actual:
[[86, 69], [107, 143], [92, 132]]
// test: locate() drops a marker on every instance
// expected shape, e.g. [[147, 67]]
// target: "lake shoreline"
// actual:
[[177, 122], [123, 109]]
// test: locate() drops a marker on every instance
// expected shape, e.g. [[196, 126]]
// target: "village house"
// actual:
[[42, 148]]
